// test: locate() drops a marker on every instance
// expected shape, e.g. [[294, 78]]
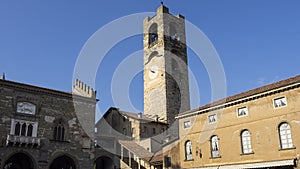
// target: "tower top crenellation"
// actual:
[[162, 9], [83, 89]]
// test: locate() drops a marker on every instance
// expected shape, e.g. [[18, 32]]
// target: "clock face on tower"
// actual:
[[153, 72]]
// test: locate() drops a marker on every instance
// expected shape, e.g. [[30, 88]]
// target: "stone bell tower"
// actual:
[[166, 87]]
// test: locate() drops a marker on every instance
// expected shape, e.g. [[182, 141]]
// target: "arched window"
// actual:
[[59, 131], [188, 150], [214, 146], [285, 136], [29, 130], [153, 36], [63, 162], [19, 160], [17, 129], [173, 32], [246, 142], [175, 52], [23, 130]]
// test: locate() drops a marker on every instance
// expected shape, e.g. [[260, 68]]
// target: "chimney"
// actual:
[[140, 115], [156, 118], [3, 76]]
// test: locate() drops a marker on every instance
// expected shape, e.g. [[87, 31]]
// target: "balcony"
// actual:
[[23, 141]]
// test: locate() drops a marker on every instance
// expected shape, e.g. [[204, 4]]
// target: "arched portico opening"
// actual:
[[63, 162], [19, 161], [104, 163]]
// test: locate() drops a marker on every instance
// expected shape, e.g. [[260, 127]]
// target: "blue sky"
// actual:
[[257, 41]]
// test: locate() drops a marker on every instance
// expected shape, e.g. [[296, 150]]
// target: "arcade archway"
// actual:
[[104, 163], [19, 161], [63, 162]]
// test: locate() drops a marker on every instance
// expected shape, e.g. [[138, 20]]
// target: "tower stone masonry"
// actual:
[[166, 88]]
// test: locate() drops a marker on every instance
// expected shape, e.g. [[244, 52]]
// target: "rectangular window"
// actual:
[[153, 131], [133, 132], [167, 161], [187, 124], [242, 111], [280, 102], [212, 118]]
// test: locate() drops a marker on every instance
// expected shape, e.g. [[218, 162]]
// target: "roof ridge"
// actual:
[[248, 93]]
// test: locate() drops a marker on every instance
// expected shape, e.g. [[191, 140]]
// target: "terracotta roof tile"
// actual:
[[158, 157], [252, 92], [32, 87]]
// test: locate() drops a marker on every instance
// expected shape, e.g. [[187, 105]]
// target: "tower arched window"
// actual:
[[285, 136], [153, 36], [59, 131], [175, 52], [188, 150], [214, 146], [173, 32], [246, 142]]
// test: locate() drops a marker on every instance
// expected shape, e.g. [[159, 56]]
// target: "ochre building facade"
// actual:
[[259, 128]]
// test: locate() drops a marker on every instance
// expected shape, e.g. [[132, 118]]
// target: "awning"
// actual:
[[252, 165]]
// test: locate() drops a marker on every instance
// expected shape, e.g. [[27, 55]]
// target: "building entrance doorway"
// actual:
[[63, 162], [19, 161], [104, 163]]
